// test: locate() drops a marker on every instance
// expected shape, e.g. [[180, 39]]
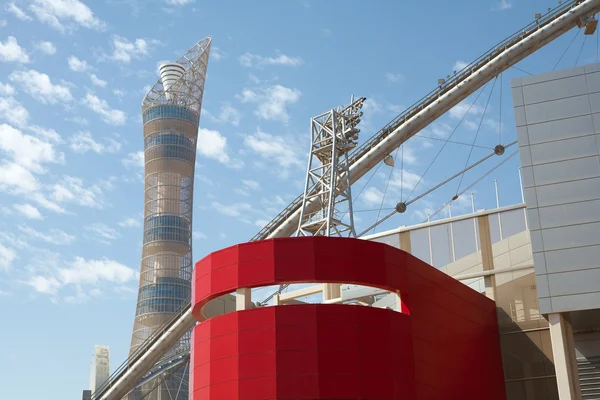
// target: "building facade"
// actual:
[[171, 115]]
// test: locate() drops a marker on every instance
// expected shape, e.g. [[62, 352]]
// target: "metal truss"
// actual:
[[333, 135], [188, 90]]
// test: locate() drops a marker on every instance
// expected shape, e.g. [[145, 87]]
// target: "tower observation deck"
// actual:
[[171, 115]]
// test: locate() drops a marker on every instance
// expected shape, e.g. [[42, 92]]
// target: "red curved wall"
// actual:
[[304, 352], [444, 344]]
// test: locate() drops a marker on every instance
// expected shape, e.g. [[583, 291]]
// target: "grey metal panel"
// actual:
[[596, 121], [545, 306], [557, 109], [520, 119], [568, 192], [539, 262], [517, 95], [569, 214], [562, 150], [522, 136], [595, 102], [585, 301], [573, 259], [542, 285], [561, 129], [530, 197], [590, 68], [570, 236], [556, 89], [593, 82], [549, 76], [574, 282], [569, 170], [537, 243], [525, 155], [527, 176], [533, 218]]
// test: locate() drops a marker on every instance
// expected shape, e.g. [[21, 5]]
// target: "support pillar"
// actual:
[[405, 242], [243, 299], [565, 362], [332, 291], [487, 256]]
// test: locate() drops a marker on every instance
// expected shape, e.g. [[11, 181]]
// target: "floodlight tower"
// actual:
[[171, 116], [333, 135]]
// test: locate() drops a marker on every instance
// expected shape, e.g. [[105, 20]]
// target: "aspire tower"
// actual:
[[171, 116]]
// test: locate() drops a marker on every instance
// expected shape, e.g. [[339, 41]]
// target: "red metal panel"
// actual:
[[446, 346]]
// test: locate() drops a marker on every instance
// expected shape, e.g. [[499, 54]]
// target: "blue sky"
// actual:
[[72, 78]]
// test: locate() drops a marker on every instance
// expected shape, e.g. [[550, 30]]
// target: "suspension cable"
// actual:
[[446, 141], [473, 184], [568, 47], [433, 188], [477, 133], [580, 50]]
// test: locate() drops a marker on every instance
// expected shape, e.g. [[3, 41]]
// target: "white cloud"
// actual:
[[58, 12], [179, 2], [77, 120], [7, 256], [273, 148], [55, 236], [405, 179], [247, 185], [10, 51], [28, 211], [502, 5], [216, 54], [40, 87], [46, 47], [91, 272], [214, 145], [372, 196], [271, 102], [459, 65], [101, 107], [3, 23], [77, 65], [253, 60], [83, 142], [17, 12], [15, 178], [134, 160], [119, 92], [130, 223], [97, 81], [251, 184], [72, 189], [103, 232], [227, 114], [394, 78], [44, 285], [462, 108], [12, 111], [27, 151], [125, 51], [199, 235], [233, 210], [46, 133]]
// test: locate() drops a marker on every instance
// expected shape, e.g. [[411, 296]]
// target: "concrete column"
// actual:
[[487, 256], [332, 291], [243, 299], [405, 242], [565, 362]]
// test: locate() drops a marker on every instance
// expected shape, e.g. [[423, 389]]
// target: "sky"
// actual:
[[73, 75]]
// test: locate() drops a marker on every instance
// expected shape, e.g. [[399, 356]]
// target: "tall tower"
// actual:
[[171, 115], [100, 368]]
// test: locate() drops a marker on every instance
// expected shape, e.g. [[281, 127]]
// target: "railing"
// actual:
[[427, 100]]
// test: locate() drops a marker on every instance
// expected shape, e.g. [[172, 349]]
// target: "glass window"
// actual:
[[171, 111]]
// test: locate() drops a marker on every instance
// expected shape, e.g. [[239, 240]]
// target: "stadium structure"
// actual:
[[496, 304]]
